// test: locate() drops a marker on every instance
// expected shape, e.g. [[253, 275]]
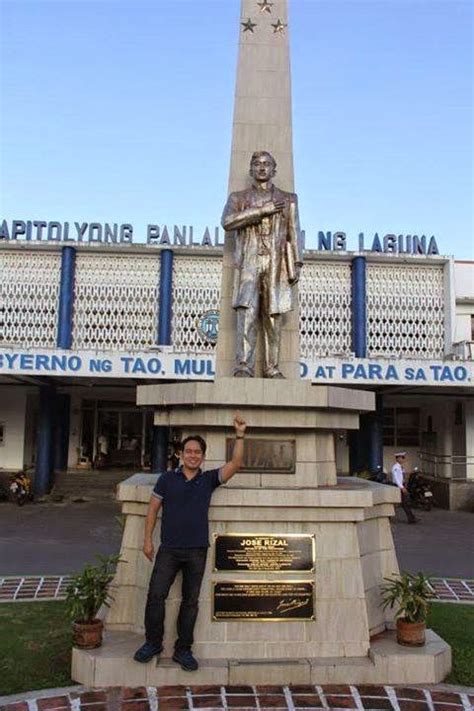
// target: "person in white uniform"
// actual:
[[398, 479]]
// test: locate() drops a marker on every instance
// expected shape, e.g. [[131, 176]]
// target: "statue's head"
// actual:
[[262, 166]]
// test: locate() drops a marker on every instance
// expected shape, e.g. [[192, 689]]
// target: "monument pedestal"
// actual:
[[277, 412], [350, 640]]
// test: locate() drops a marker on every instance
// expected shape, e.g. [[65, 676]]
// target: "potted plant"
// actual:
[[85, 595], [411, 595]]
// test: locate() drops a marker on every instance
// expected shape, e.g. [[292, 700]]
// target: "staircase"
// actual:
[[90, 485]]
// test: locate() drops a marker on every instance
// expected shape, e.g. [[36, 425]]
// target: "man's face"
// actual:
[[192, 455], [400, 460], [262, 168]]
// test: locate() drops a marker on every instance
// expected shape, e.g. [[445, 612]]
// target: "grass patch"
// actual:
[[35, 646], [455, 624]]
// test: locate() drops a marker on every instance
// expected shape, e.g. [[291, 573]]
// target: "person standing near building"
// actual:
[[103, 450], [398, 478], [184, 495]]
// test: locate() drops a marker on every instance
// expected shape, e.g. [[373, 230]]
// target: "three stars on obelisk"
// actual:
[[265, 7], [249, 25]]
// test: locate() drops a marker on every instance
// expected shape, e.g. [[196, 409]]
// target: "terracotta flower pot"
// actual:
[[87, 635], [410, 634]]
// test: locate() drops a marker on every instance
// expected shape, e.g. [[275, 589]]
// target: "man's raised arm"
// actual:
[[230, 468]]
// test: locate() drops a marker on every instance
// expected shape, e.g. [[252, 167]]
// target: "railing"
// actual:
[[456, 467], [463, 350]]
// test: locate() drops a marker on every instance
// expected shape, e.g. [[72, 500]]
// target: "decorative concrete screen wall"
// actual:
[[29, 288], [196, 289], [325, 308], [405, 310], [116, 301]]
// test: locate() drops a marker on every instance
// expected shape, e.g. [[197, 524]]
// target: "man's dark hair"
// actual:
[[195, 438]]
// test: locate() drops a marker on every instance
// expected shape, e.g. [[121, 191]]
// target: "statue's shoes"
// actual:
[[242, 373], [275, 373]]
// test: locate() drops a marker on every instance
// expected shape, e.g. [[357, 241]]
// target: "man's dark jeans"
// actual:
[[168, 562]]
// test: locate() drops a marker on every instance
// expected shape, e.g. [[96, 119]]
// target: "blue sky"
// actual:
[[121, 111]]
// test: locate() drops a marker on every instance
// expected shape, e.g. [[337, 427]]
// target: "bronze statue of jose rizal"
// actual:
[[268, 261]]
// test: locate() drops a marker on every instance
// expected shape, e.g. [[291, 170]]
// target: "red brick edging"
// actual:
[[25, 588], [260, 698]]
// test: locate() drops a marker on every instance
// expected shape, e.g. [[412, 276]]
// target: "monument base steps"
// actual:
[[386, 663]]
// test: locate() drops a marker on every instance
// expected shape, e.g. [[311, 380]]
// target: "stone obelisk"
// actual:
[[262, 121]]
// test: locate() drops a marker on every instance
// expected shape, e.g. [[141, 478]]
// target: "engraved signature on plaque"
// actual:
[[266, 455], [258, 552], [263, 600]]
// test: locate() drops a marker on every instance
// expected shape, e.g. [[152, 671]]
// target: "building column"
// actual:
[[359, 307], [159, 441], [66, 297], [360, 442], [44, 442], [159, 449], [353, 440], [166, 297], [366, 443], [469, 425], [61, 432], [375, 435]]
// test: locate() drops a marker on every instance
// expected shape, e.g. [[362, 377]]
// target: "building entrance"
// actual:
[[115, 435]]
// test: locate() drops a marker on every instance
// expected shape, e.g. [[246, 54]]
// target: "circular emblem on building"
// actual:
[[208, 325]]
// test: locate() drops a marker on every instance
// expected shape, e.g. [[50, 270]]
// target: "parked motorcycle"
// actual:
[[379, 475], [419, 491], [20, 488]]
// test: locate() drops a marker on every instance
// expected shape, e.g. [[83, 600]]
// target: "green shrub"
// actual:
[[89, 590], [410, 593]]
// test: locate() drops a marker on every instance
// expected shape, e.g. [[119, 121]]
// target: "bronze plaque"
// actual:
[[257, 552], [261, 601], [276, 456]]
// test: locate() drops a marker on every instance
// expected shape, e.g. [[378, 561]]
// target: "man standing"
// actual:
[[184, 494], [267, 263], [398, 478]]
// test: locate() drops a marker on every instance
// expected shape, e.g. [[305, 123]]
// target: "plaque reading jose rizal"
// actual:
[[264, 552], [263, 601]]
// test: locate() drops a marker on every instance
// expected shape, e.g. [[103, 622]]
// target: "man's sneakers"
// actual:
[[182, 657], [147, 651], [185, 658]]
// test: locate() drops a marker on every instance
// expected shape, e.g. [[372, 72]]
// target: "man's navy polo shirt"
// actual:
[[184, 521]]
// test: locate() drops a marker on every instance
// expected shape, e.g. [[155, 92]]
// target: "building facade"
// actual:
[[82, 324]]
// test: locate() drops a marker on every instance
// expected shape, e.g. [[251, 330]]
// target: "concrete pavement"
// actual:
[[440, 544], [57, 539]]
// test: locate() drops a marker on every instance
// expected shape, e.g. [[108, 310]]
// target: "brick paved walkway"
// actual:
[[451, 590], [52, 587], [240, 698], [33, 587]]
